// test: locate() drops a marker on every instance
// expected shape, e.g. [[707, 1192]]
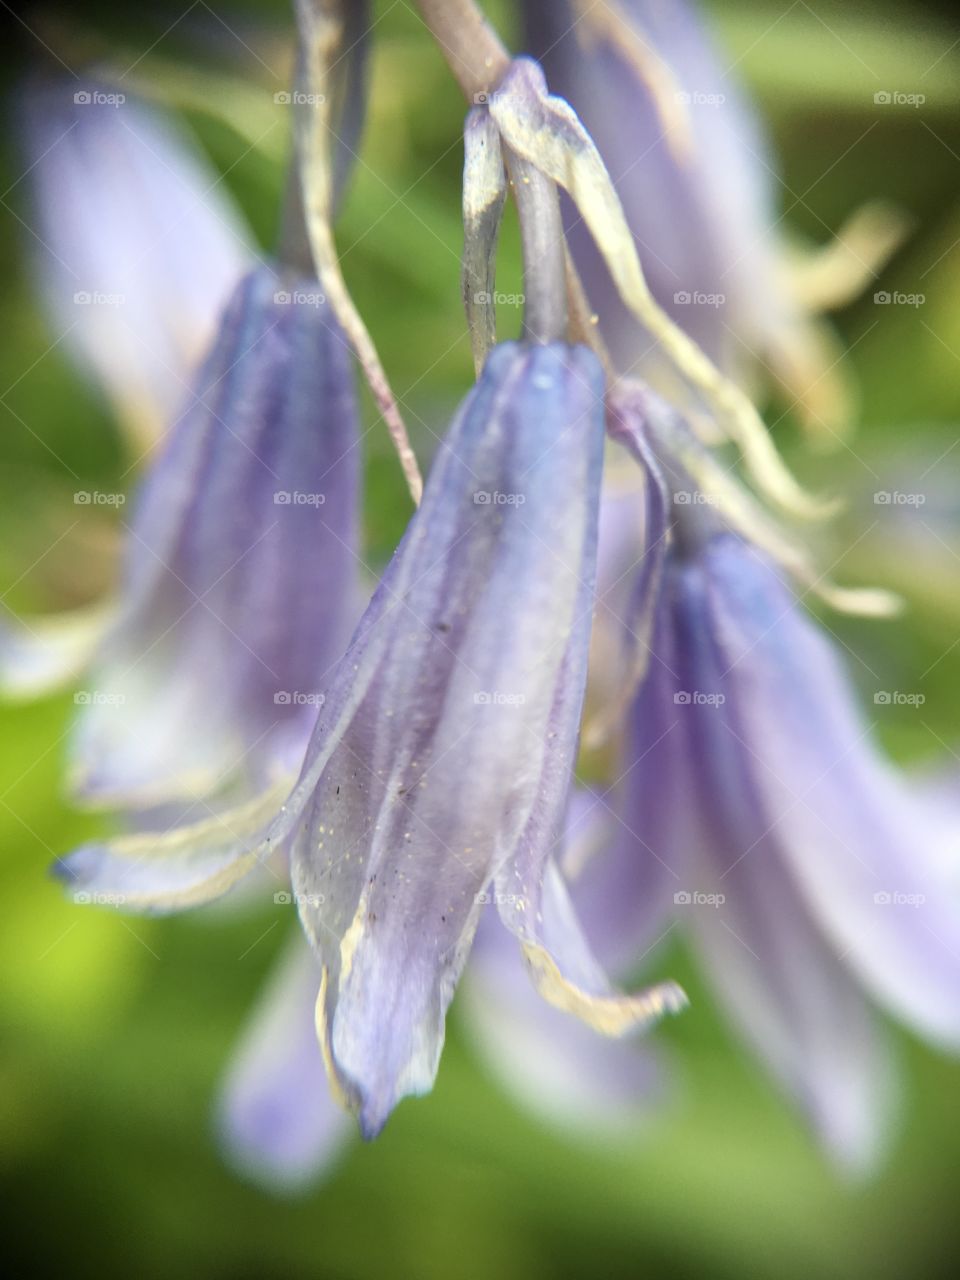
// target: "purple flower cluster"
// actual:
[[404, 772]]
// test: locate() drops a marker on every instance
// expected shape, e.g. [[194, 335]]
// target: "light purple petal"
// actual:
[[201, 855], [443, 756], [136, 242], [240, 574], [279, 1123], [783, 980], [864, 850], [554, 1064], [668, 117]]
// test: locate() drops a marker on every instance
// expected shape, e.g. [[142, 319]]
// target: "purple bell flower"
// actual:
[[691, 164], [137, 246], [440, 763], [136, 249], [240, 568], [280, 1126], [812, 877]]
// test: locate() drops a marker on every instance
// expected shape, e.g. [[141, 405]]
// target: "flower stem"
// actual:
[[478, 60], [471, 47], [541, 229]]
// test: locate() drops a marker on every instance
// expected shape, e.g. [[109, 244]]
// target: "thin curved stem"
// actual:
[[479, 60]]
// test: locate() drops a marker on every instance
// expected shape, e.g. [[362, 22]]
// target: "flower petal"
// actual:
[[782, 979], [185, 866], [240, 574], [554, 1064], [429, 755], [863, 848], [279, 1124], [137, 244]]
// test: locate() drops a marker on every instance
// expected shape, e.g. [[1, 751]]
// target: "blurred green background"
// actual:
[[115, 1032]]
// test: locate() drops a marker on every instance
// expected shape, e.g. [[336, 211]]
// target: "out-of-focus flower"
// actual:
[[137, 244], [555, 1065], [278, 1121], [442, 755], [136, 248], [811, 876], [692, 167], [279, 1124], [240, 569]]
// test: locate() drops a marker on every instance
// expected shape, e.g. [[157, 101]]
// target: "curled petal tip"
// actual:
[[612, 1015]]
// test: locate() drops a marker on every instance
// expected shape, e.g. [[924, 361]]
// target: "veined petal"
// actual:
[[137, 244], [431, 753], [186, 865], [625, 894], [635, 534], [279, 1123], [785, 983], [864, 850], [239, 587]]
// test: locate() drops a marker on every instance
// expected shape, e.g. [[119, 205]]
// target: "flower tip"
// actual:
[[372, 1120], [67, 871], [607, 1012]]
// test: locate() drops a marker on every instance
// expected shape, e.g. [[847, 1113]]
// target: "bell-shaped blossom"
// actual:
[[813, 878], [279, 1125], [136, 248], [690, 161], [439, 766], [240, 568], [137, 245]]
